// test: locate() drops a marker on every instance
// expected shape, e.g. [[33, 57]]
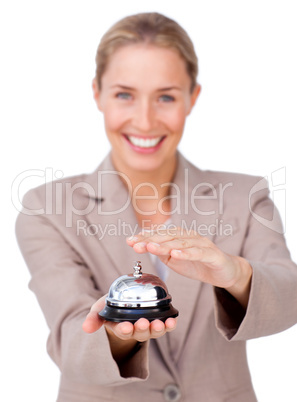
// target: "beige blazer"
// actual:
[[73, 262]]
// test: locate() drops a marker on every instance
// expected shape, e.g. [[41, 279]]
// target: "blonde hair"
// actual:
[[149, 28]]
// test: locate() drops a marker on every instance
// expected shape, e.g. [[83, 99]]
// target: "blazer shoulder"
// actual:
[[69, 184], [237, 188], [217, 177], [84, 184], [228, 175], [240, 180], [243, 186]]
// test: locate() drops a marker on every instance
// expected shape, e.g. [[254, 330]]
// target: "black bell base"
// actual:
[[120, 314]]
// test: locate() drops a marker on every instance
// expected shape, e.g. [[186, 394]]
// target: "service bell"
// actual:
[[138, 295]]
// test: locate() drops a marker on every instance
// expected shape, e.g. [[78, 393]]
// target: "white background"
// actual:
[[244, 121]]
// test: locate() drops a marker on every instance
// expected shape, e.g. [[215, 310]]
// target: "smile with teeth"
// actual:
[[144, 142]]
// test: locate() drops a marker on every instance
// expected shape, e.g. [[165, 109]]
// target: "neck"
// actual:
[[148, 190], [141, 180]]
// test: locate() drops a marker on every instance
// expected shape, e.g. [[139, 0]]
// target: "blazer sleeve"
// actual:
[[65, 291], [272, 305]]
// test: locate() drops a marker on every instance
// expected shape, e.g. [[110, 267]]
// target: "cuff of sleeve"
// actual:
[[88, 359], [237, 324], [229, 313], [136, 367]]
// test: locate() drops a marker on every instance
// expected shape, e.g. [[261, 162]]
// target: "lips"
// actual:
[[144, 144]]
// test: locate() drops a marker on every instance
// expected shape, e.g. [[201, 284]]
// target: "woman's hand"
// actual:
[[198, 258], [124, 336]]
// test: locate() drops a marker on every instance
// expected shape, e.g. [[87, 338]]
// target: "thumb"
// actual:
[[93, 322]]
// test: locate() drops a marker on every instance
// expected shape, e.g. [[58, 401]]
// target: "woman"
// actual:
[[215, 236]]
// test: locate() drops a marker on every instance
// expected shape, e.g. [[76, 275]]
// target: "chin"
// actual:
[[146, 166]]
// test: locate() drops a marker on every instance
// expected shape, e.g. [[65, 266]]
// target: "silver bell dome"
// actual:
[[138, 295]]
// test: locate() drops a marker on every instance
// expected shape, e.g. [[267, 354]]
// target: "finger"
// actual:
[[157, 328], [151, 235], [141, 236], [203, 254], [162, 236], [123, 330], [170, 324], [141, 247], [92, 322], [177, 244], [170, 230], [99, 304], [166, 247], [142, 330], [133, 239]]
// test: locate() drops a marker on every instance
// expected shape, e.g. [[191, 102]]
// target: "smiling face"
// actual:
[[145, 98]]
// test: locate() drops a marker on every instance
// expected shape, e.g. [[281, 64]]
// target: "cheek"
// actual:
[[114, 118], [176, 120]]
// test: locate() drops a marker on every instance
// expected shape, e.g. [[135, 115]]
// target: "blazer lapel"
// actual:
[[114, 218]]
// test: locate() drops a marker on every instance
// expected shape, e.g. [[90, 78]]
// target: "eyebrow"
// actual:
[[169, 88], [123, 87], [133, 89]]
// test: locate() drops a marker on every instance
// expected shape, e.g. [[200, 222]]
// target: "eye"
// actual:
[[166, 98], [123, 95]]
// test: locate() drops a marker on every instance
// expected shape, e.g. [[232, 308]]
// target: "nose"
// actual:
[[144, 118]]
